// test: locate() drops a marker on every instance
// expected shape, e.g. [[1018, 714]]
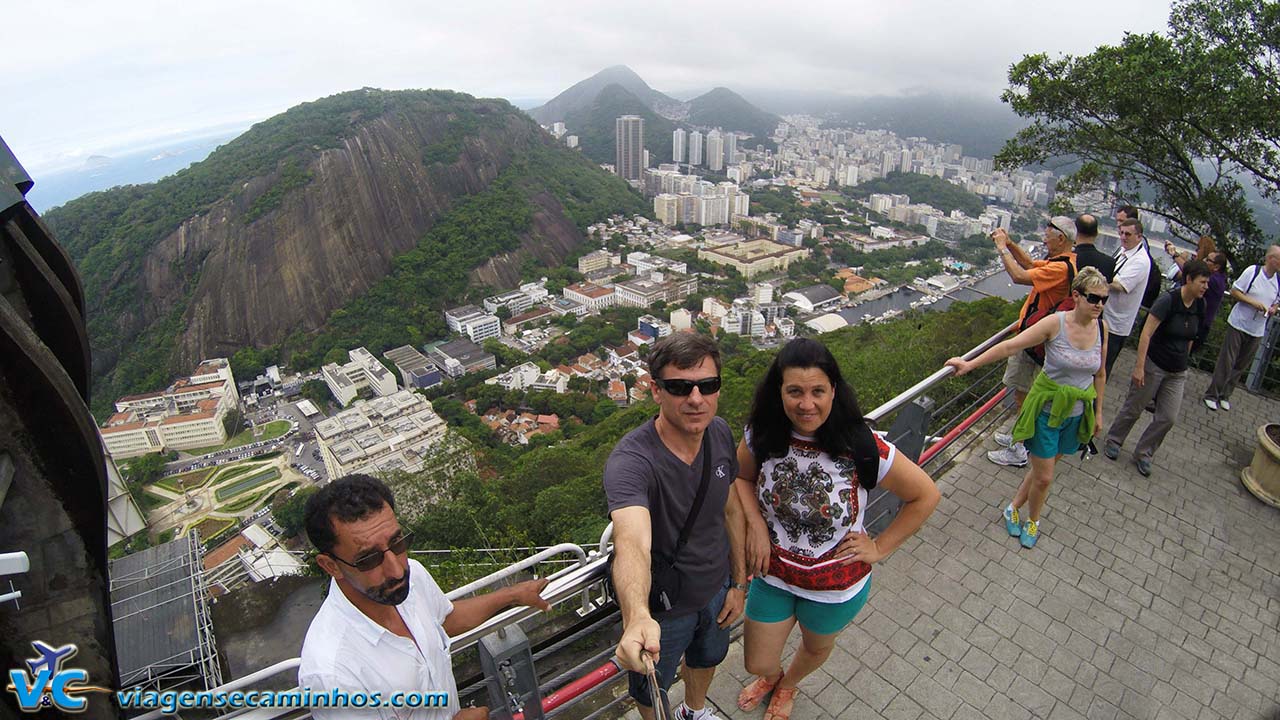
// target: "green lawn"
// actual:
[[232, 472], [151, 501], [243, 503], [243, 484], [270, 431], [191, 480]]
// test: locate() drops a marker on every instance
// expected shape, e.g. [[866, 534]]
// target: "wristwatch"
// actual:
[[740, 586]]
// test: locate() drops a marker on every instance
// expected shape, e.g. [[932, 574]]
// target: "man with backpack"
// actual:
[[1257, 294], [1050, 282], [1133, 269]]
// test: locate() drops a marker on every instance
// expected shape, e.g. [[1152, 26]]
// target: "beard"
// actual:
[[392, 592]]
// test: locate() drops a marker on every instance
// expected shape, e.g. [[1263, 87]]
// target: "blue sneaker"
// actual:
[[1030, 533], [1111, 450], [1144, 466], [1011, 521]]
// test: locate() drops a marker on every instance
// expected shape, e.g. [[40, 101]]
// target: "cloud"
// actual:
[[102, 74]]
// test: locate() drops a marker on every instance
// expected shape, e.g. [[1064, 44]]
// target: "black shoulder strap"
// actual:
[[1256, 269], [866, 456], [707, 462]]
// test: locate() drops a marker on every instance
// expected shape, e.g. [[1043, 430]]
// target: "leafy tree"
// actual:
[[316, 391], [1174, 120], [291, 512]]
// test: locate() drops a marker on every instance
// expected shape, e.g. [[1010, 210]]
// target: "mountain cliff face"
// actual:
[[211, 261]]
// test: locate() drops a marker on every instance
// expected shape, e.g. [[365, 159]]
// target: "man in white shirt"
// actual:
[[1133, 264], [1257, 294], [385, 625]]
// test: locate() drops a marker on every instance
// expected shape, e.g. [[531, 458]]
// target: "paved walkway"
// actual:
[[1145, 598]]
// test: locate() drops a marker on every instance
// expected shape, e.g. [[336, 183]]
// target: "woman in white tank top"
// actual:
[[1064, 408]]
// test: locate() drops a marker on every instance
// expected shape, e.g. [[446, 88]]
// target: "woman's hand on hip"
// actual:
[[859, 547]]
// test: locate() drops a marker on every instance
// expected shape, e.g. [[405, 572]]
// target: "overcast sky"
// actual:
[[98, 77]]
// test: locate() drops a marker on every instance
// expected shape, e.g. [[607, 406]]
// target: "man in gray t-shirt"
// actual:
[[651, 480]]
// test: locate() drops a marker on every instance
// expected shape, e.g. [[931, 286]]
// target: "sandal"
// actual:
[[780, 706], [751, 696]]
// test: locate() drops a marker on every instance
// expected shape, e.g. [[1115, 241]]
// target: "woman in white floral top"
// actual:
[[804, 502]]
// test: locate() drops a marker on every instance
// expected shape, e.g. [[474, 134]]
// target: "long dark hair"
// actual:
[[770, 427]]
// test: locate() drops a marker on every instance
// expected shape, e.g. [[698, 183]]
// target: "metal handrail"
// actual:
[[506, 572]]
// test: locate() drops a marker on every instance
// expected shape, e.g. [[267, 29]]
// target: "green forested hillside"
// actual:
[[596, 129], [110, 233], [724, 108], [554, 494], [407, 305], [923, 189]]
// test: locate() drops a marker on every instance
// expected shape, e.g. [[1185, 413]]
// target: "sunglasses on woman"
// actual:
[[681, 388], [373, 558], [1093, 299]]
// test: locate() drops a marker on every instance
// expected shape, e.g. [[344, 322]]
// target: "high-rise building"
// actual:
[[695, 148], [678, 145], [730, 147], [904, 163], [715, 151], [629, 147]]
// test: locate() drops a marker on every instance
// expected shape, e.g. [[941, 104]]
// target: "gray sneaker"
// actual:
[[1211, 403], [1004, 439], [1224, 404], [1014, 456]]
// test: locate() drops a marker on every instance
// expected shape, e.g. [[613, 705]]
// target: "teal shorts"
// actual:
[[1050, 442], [768, 604]]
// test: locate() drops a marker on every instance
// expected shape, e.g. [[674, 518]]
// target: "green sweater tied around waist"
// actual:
[[1063, 398]]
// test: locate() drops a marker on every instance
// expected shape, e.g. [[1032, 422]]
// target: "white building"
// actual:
[[389, 433], [594, 297], [362, 371], [715, 151], [473, 322], [190, 413], [695, 148], [678, 142], [681, 320]]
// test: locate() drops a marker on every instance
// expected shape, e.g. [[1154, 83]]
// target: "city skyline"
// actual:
[[164, 74]]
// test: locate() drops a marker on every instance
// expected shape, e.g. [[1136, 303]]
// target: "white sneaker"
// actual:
[[1013, 456], [1004, 439], [1224, 404], [1211, 403], [684, 712]]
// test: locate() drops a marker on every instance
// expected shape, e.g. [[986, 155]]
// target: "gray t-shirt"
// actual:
[[642, 472]]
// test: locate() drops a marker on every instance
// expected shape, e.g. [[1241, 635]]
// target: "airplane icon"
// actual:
[[50, 657]]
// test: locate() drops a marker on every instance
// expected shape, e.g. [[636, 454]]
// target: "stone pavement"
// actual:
[[1145, 598]]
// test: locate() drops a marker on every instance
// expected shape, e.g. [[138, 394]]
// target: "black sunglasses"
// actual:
[[680, 388], [1095, 299], [373, 559]]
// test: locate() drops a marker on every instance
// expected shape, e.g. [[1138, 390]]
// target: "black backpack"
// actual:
[[1155, 278]]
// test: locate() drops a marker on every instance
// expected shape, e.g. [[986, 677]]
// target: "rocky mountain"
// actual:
[[352, 219], [594, 124], [726, 109], [582, 95]]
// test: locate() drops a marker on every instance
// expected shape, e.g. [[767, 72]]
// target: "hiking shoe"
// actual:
[[1012, 524], [1111, 451], [1224, 404], [1014, 456], [1030, 534], [1144, 466], [1004, 439], [1211, 403]]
